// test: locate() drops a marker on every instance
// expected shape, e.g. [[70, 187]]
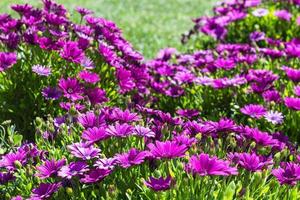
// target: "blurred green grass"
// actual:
[[148, 24]]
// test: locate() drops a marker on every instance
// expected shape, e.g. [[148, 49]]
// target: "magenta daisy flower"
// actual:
[[9, 160], [49, 168], [106, 163], [254, 110], [292, 103], [45, 190], [288, 174], [95, 134], [83, 11], [297, 90], [188, 113], [143, 131], [5, 177], [168, 149], [271, 95], [90, 120], [292, 74], [124, 116], [7, 60], [71, 88], [89, 77], [159, 184], [119, 130], [41, 70], [71, 52], [96, 95], [283, 14], [83, 151], [132, 157], [250, 161], [73, 169], [51, 93], [204, 165], [95, 175], [261, 138]]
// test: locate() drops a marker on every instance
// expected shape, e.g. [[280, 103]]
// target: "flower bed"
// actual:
[[94, 120]]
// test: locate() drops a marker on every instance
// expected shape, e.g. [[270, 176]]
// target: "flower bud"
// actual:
[[39, 121], [40, 33], [69, 191], [73, 111], [18, 164]]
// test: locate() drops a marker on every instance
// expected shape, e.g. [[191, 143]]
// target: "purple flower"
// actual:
[[106, 163], [96, 95], [51, 93], [45, 190], [292, 74], [95, 134], [292, 103], [7, 60], [204, 165], [261, 79], [49, 168], [124, 116], [274, 117], [89, 77], [159, 184], [83, 151], [143, 131], [184, 140], [288, 174], [261, 138], [188, 113], [119, 130], [254, 110], [95, 175], [125, 80], [90, 120], [272, 95], [71, 88], [168, 149], [298, 21], [10, 160], [250, 161], [226, 64], [166, 54], [5, 177], [132, 157], [73, 169], [67, 106], [252, 3], [297, 90], [71, 52], [257, 36], [260, 12], [224, 125], [41, 70], [283, 14], [17, 198], [83, 11], [22, 9], [87, 63]]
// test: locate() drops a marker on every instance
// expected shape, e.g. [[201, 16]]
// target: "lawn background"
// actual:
[[148, 24]]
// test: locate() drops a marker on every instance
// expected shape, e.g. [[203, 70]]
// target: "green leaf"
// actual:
[[17, 139], [230, 191]]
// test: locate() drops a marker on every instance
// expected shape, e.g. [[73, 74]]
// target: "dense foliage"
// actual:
[[85, 116]]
